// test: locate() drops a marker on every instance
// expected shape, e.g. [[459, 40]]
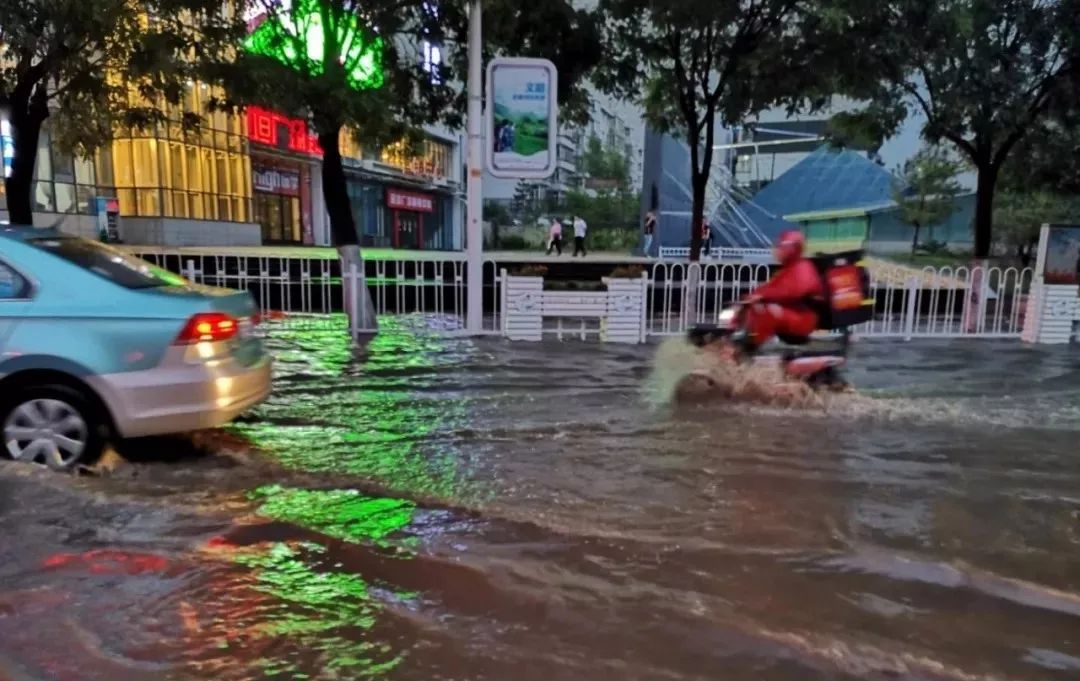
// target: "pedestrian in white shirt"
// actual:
[[580, 228]]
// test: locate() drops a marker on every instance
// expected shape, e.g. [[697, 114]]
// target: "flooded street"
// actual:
[[444, 508]]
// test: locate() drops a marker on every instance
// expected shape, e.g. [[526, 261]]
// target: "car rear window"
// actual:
[[108, 262]]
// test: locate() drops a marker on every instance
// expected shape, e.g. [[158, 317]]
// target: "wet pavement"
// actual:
[[441, 508]]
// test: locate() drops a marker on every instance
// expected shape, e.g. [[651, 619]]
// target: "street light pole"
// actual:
[[474, 235]]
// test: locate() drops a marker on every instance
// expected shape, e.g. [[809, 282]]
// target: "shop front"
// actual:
[[282, 200], [409, 210], [284, 158], [404, 197]]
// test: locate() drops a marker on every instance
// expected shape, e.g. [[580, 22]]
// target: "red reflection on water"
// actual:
[[109, 561]]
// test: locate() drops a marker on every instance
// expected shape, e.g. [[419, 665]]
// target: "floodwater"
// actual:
[[442, 508]]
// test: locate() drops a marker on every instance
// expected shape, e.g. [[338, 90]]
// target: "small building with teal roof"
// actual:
[[842, 200]]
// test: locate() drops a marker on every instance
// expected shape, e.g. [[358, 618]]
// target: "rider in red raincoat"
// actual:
[[785, 306]]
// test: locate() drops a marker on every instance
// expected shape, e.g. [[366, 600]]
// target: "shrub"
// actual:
[[627, 272], [530, 271]]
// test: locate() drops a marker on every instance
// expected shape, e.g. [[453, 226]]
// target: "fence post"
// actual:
[[643, 328], [909, 313], [501, 320]]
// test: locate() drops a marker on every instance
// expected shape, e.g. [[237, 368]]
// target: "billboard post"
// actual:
[[474, 198]]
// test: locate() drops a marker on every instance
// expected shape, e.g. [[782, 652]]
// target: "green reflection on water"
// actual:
[[368, 414], [321, 611], [342, 514]]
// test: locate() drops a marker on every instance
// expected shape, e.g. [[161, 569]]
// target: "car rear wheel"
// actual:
[[51, 425]]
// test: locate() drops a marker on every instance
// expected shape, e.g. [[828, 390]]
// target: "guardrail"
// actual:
[[931, 302], [762, 256], [304, 285], [944, 303]]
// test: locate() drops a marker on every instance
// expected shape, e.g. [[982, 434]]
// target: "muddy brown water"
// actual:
[[438, 508]]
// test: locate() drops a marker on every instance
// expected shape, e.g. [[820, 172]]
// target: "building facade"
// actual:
[[247, 180]]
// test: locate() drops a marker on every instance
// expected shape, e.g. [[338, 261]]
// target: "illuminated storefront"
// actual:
[[284, 157], [167, 172], [403, 200]]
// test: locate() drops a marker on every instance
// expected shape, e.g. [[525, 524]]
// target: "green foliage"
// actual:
[[606, 163], [1048, 158], [496, 213], [983, 73], [604, 210], [512, 242], [613, 240], [354, 63], [1020, 217], [926, 189], [548, 29], [302, 43], [698, 62]]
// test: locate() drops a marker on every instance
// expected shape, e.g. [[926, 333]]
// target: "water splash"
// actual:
[[682, 373]]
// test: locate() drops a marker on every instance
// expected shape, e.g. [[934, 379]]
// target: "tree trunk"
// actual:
[[342, 226], [984, 209], [344, 235], [698, 183], [915, 239], [26, 130]]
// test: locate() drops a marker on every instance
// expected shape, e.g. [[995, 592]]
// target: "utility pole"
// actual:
[[474, 199]]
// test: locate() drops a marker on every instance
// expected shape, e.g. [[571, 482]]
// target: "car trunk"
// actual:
[[245, 347]]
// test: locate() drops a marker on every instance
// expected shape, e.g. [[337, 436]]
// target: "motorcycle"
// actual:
[[816, 363]]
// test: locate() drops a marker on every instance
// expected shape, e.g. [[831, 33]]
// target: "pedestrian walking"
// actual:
[[580, 228], [648, 230], [555, 236], [706, 238]]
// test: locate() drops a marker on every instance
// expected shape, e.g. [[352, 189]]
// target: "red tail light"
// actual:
[[208, 327]]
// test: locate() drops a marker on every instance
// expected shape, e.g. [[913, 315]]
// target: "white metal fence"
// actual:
[[316, 286], [910, 303], [758, 256]]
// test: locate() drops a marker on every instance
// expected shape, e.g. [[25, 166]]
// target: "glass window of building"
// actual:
[[431, 158], [62, 182], [201, 174]]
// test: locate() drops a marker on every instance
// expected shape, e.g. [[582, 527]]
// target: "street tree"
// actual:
[[606, 163], [94, 65], [982, 74], [383, 68], [1048, 158], [925, 189], [703, 63], [339, 63], [1019, 217]]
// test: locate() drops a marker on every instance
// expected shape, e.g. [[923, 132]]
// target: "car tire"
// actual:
[[53, 425]]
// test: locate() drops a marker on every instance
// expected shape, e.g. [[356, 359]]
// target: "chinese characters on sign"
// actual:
[[522, 119], [422, 167], [281, 132], [401, 200], [533, 91], [275, 181]]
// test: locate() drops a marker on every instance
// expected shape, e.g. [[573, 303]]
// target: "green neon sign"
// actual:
[[295, 36]]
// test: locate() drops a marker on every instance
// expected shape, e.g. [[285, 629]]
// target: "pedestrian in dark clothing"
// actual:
[[649, 229]]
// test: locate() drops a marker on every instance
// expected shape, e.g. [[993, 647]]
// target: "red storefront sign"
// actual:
[[281, 132], [402, 200]]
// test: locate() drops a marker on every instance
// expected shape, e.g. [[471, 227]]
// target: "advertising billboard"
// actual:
[[522, 118]]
